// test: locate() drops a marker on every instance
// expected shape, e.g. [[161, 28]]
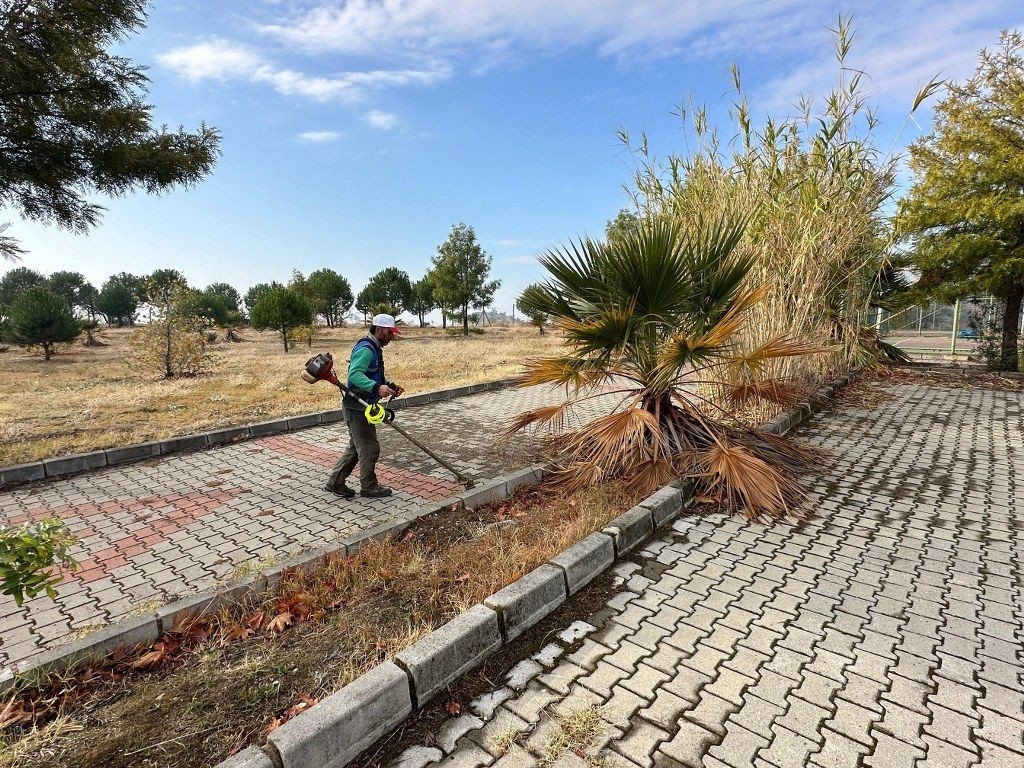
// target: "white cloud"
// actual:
[[507, 243], [215, 59], [318, 137], [518, 260], [221, 59], [383, 120], [902, 43]]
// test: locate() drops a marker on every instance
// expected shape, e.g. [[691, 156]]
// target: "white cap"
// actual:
[[384, 321]]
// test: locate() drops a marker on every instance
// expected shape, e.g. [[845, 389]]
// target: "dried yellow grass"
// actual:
[[88, 398]]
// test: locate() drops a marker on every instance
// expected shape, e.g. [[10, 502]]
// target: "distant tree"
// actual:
[[132, 282], [76, 119], [329, 294], [228, 292], [423, 302], [281, 309], [212, 309], [14, 283], [87, 296], [528, 303], [118, 303], [460, 272], [41, 318], [173, 342], [69, 285], [625, 223], [163, 281], [253, 294], [965, 211], [390, 286]]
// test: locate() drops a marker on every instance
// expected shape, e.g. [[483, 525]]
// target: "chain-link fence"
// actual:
[[937, 330]]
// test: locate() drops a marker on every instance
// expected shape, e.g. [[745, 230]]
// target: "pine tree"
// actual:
[[41, 318], [75, 118], [281, 309], [460, 271], [965, 211]]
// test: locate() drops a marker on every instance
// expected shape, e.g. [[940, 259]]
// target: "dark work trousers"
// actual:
[[362, 448]]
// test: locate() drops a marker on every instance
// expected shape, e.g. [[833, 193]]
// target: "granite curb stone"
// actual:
[[22, 473], [528, 599], [183, 443], [448, 652], [341, 726], [250, 757], [130, 453], [584, 560], [226, 435], [79, 462], [630, 528]]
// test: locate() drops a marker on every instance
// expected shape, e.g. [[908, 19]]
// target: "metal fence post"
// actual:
[[956, 327]]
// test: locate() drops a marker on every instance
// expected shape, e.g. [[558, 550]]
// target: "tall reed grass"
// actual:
[[814, 189]]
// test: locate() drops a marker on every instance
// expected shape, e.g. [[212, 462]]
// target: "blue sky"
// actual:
[[356, 133]]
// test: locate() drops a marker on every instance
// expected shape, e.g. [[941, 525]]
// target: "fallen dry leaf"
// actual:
[[280, 622], [150, 659]]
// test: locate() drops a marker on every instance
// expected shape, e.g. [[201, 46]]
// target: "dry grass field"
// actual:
[[90, 398]]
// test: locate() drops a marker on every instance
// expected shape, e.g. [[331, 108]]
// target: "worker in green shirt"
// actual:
[[366, 380]]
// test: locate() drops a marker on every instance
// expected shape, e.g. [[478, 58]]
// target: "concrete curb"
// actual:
[[61, 466], [462, 644]]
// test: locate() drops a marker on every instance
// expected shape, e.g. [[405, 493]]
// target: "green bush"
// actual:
[[28, 556], [39, 318]]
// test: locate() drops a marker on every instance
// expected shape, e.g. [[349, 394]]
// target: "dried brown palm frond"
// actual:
[[553, 416], [734, 472]]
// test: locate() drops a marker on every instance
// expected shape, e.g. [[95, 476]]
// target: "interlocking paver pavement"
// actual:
[[885, 630], [157, 530]]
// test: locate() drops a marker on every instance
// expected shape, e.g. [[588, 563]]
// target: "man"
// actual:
[[366, 379]]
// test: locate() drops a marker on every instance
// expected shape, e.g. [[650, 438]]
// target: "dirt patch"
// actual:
[[221, 683]]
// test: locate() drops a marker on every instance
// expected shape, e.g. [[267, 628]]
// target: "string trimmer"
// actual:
[[321, 368]]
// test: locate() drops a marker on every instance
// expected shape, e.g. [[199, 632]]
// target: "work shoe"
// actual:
[[340, 490], [377, 492]]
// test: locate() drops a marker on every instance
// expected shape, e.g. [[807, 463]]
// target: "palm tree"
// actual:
[[652, 317]]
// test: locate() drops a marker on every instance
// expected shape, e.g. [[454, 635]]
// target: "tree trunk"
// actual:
[[444, 318], [1009, 353], [465, 320], [284, 335], [168, 373], [46, 351]]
